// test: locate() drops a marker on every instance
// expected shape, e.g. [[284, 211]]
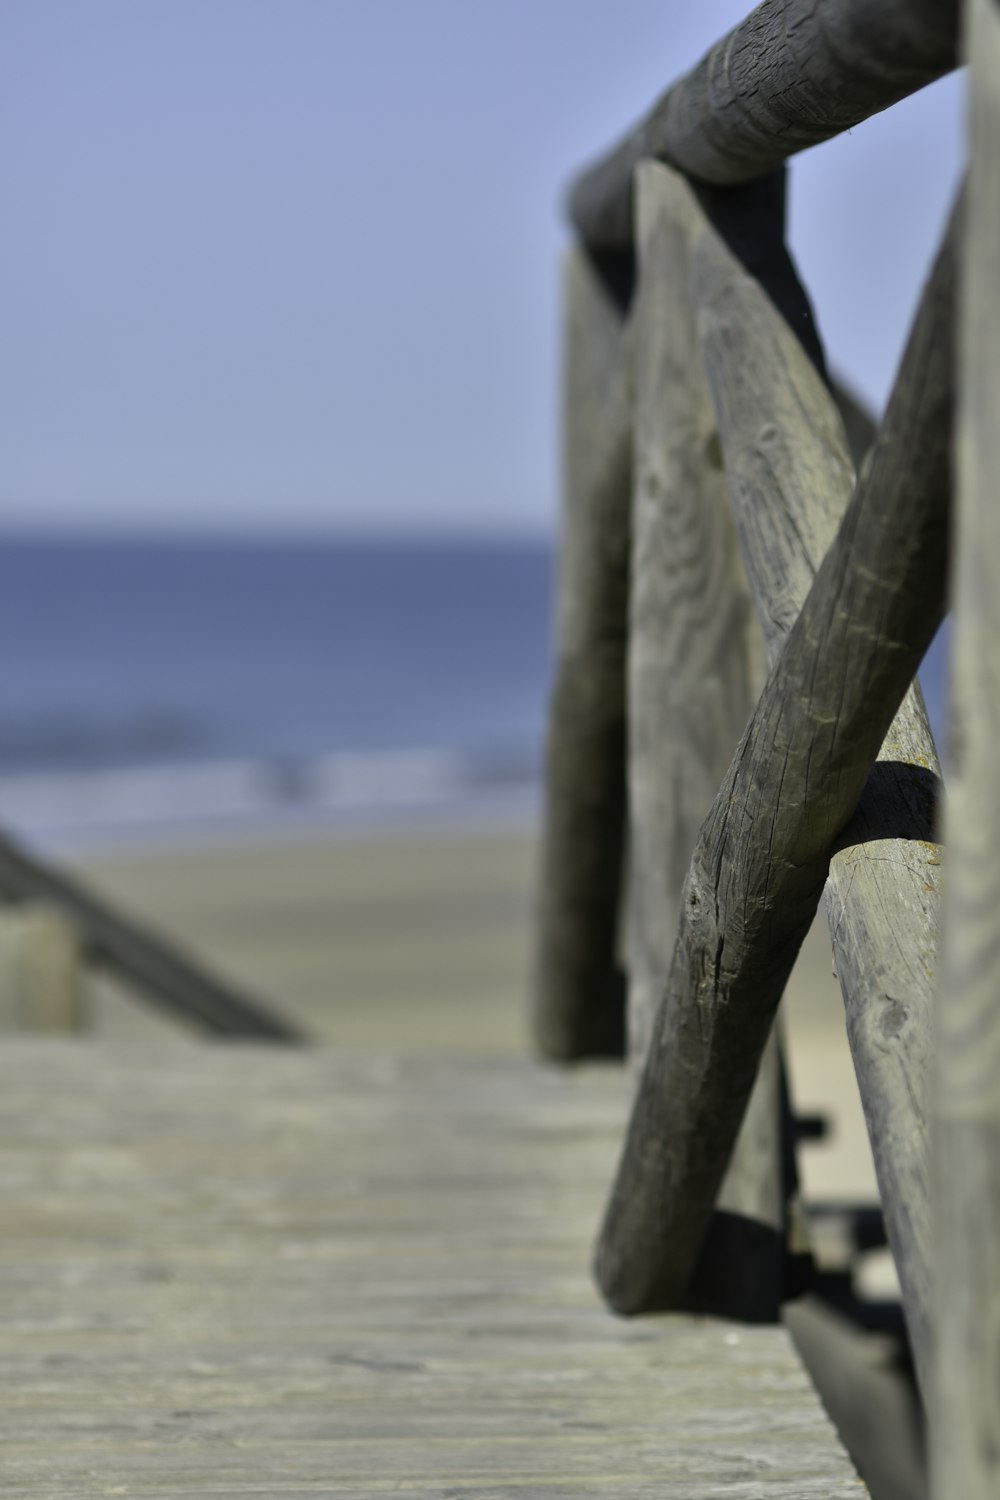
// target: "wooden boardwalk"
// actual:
[[236, 1271]]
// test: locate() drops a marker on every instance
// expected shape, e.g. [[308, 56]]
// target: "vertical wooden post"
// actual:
[[40, 979], [695, 653], [763, 853], [695, 668], [578, 1007], [965, 1426]]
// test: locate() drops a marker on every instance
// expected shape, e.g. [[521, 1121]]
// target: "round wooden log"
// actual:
[[790, 480], [763, 854], [578, 996], [695, 654], [695, 670], [965, 1402], [794, 73]]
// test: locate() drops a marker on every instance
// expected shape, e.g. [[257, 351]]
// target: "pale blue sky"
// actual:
[[292, 264]]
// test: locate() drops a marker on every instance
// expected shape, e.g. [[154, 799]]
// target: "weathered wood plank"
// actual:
[[159, 969], [965, 1405], [763, 854], [695, 670], [790, 479], [695, 655], [374, 1282], [578, 1003], [794, 73]]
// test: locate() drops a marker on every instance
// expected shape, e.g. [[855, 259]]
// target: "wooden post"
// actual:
[[695, 670], [695, 654], [965, 1407], [763, 853], [790, 479], [794, 73], [40, 974], [578, 1001]]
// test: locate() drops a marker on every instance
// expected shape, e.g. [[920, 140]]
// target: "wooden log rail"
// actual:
[[695, 666], [794, 73], [789, 480], [763, 854], [579, 1005], [965, 1398], [161, 971], [834, 784]]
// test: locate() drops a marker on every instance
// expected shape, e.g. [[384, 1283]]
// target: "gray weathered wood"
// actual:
[[695, 656], [869, 1397], [40, 978], [883, 906], [965, 1404], [794, 73], [695, 670], [763, 854], [161, 971], [577, 1001], [273, 1273], [790, 479], [860, 426]]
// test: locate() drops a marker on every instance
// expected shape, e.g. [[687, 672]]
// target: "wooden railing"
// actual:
[[65, 916], [735, 726]]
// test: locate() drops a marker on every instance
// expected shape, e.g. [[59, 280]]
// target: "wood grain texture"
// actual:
[[790, 478], [794, 73], [763, 854], [239, 1271], [695, 657], [159, 970], [578, 1007], [695, 669], [965, 1426]]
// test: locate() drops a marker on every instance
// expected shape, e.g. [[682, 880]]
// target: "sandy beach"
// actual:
[[419, 942]]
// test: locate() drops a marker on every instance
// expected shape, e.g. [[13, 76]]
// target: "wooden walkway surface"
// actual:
[[232, 1271]]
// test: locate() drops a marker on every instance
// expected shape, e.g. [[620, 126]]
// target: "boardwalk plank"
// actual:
[[243, 1272]]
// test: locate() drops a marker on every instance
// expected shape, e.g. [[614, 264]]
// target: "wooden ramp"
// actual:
[[235, 1271]]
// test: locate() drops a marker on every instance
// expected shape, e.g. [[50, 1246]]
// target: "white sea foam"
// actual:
[[211, 799]]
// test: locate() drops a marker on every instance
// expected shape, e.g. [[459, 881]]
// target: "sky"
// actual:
[[293, 265]]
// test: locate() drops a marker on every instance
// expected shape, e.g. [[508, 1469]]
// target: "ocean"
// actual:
[[160, 690]]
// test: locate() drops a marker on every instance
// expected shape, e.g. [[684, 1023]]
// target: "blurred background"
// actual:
[[279, 386], [279, 372]]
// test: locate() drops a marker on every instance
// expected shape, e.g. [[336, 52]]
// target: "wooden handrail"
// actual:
[[794, 73], [763, 854], [162, 971], [836, 782], [578, 1007], [695, 669]]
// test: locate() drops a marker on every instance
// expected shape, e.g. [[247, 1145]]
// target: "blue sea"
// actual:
[[154, 689], [159, 690]]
